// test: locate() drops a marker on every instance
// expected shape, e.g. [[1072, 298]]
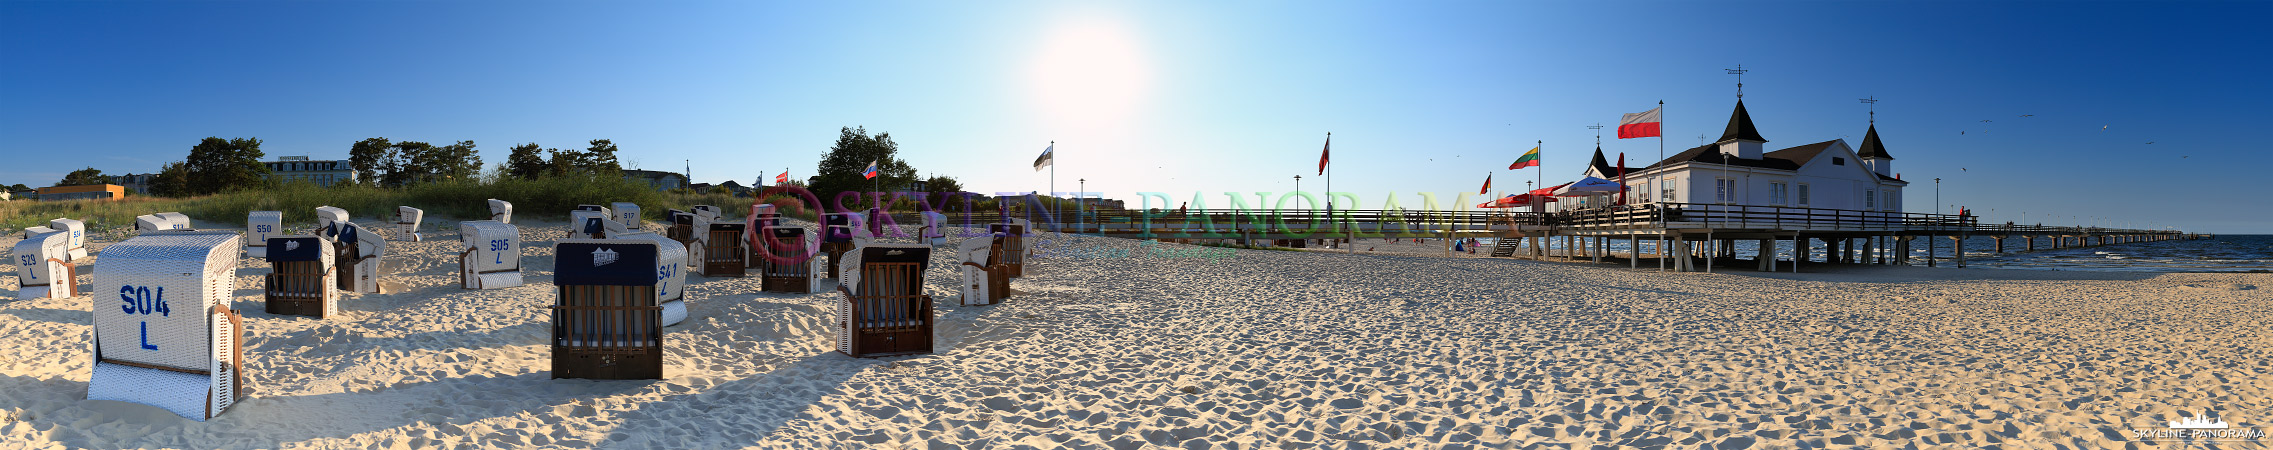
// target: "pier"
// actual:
[[1680, 236]]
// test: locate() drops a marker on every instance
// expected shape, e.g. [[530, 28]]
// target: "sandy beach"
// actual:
[[1134, 345]]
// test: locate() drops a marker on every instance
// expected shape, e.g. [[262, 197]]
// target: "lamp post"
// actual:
[[1080, 198], [1933, 246], [1298, 187]]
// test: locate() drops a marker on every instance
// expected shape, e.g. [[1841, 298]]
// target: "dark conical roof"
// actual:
[[1872, 148], [1740, 126]]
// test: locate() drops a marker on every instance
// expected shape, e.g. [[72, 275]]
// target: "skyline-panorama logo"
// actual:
[[603, 257], [2199, 428]]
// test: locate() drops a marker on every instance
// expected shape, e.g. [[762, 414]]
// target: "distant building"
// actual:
[[320, 172], [136, 183], [736, 188], [88, 192], [700, 188], [663, 181], [1735, 171]]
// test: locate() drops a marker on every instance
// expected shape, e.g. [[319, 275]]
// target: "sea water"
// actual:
[[2224, 253]]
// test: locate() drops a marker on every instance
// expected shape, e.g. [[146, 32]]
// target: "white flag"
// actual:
[[1044, 161]]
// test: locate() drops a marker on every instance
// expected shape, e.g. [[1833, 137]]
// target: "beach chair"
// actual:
[[159, 222], [986, 280], [1013, 245], [41, 271], [682, 227], [589, 224], [706, 212], [356, 251], [259, 226], [789, 260], [670, 275], [300, 277], [406, 222], [884, 311], [329, 218], [500, 211], [836, 238], [934, 231], [626, 213], [76, 248], [170, 340], [606, 320], [492, 258], [180, 221], [718, 248], [30, 232]]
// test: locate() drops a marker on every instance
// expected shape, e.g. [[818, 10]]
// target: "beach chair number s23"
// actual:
[[498, 245], [140, 301]]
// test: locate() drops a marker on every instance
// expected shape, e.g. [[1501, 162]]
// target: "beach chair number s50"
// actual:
[[498, 245], [139, 301], [260, 228]]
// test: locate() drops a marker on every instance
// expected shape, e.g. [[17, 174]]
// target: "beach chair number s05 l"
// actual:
[[498, 245]]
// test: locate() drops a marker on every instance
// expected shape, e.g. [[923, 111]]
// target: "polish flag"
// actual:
[[1641, 124]]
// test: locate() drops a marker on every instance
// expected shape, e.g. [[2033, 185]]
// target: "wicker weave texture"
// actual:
[[186, 274]]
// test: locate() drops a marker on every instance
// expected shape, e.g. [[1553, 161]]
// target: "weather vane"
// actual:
[[1739, 73], [1597, 133], [1873, 101]]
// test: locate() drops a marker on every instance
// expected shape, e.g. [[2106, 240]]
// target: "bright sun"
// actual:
[[1090, 74]]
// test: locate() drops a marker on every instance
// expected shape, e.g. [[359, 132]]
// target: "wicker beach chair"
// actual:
[[492, 258], [588, 224], [159, 222], [626, 213], [681, 227], [406, 222], [500, 211], [180, 221], [357, 251], [300, 277], [328, 217], [707, 212], [1013, 235], [934, 231], [836, 238], [789, 260], [884, 311], [723, 253], [603, 210], [259, 226], [986, 280], [41, 271], [76, 248], [173, 343], [606, 320]]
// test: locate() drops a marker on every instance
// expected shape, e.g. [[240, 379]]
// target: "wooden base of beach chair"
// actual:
[[890, 323], [297, 288], [836, 253], [602, 332]]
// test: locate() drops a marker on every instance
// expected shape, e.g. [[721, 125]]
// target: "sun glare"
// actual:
[[1090, 74]]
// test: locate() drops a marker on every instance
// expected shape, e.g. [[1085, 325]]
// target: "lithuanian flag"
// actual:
[[1529, 159]]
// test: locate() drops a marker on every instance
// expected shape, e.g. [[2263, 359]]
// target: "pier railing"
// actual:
[[1322, 223]]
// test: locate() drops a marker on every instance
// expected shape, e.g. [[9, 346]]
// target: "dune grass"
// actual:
[[545, 198]]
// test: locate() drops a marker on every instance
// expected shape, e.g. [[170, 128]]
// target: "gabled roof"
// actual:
[[1786, 159], [1740, 126], [1872, 148], [1602, 165]]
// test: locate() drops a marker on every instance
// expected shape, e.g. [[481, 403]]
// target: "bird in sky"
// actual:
[[2102, 128], [2028, 115], [2150, 142], [1987, 120], [2184, 157]]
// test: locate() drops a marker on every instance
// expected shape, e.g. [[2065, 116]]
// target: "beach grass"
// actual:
[[544, 198]]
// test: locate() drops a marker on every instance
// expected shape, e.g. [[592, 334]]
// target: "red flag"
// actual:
[[1326, 151], [1487, 186], [783, 178], [1641, 124]]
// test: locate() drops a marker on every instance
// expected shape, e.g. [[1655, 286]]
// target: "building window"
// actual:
[[1724, 189], [1779, 193], [1667, 187], [1838, 161], [1803, 194], [1870, 199], [1886, 200], [1645, 191]]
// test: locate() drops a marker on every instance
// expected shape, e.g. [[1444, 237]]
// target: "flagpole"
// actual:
[[1056, 216]]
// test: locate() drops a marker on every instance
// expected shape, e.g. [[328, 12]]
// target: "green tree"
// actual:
[[940, 184], [458, 161], [217, 165], [570, 162], [840, 169], [83, 177], [406, 164], [603, 159], [526, 162], [171, 181], [18, 187], [367, 157]]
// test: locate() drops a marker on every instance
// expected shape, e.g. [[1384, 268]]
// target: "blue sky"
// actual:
[[1183, 97]]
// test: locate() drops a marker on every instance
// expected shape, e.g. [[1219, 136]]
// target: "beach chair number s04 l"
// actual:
[[139, 301]]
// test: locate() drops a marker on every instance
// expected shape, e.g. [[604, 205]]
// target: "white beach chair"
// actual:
[[174, 343], [608, 318], [589, 224], [934, 231], [328, 217], [603, 210], [180, 221], [299, 282], [358, 251], [500, 211], [670, 275], [719, 248], [706, 212], [627, 213], [862, 232], [41, 271], [30, 232], [259, 226], [165, 221], [986, 279], [790, 260], [77, 247], [492, 259], [884, 311], [406, 222]]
